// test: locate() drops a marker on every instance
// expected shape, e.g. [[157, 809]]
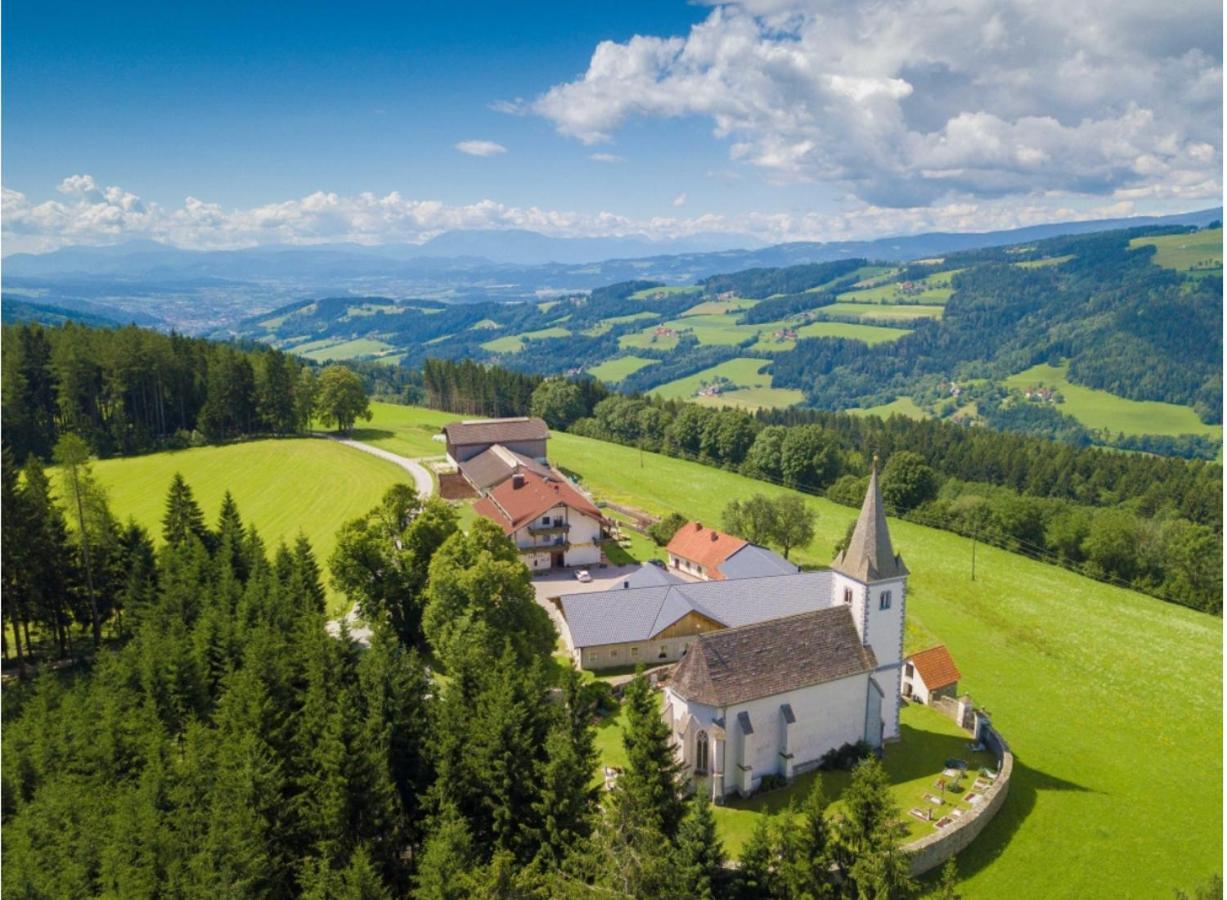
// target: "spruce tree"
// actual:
[[948, 887], [805, 852], [183, 518], [447, 857], [756, 877], [652, 784], [700, 855]]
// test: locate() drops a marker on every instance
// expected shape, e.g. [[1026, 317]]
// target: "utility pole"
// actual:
[[975, 532]]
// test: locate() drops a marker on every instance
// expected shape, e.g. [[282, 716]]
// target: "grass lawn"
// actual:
[[1111, 700], [345, 350], [514, 343], [715, 329], [883, 310], [870, 334], [647, 340], [605, 324], [282, 487], [658, 293], [614, 370], [742, 371], [904, 406], [1045, 262], [756, 398], [719, 307], [1201, 251], [407, 430], [1100, 409]]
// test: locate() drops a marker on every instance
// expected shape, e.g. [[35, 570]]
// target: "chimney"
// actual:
[[698, 526], [625, 585], [517, 481], [714, 536]]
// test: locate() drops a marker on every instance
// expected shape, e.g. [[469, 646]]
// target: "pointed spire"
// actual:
[[869, 555]]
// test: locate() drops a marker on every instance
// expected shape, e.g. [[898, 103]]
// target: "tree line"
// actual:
[[225, 743], [129, 390]]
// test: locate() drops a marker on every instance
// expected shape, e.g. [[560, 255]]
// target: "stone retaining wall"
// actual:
[[932, 850]]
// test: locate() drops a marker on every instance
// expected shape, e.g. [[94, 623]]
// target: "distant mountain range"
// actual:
[[202, 290]]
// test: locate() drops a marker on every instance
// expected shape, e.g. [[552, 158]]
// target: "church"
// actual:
[[773, 696]]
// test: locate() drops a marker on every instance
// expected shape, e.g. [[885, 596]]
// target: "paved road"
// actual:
[[359, 630], [421, 477]]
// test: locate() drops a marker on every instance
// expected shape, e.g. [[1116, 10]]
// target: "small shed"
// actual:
[[930, 674]]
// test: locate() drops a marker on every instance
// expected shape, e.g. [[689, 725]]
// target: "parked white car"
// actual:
[[583, 575]]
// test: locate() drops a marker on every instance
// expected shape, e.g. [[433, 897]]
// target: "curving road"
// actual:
[[425, 484]]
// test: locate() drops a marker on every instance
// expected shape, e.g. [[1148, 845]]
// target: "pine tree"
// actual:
[[756, 877], [230, 537], [307, 574], [72, 453], [869, 847], [700, 856], [183, 518], [805, 854], [446, 859], [651, 785]]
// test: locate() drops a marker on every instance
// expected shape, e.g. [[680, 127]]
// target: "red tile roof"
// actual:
[[936, 667], [704, 546], [517, 502]]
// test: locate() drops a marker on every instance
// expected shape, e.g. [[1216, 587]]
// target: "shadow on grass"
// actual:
[[618, 555], [370, 434], [1026, 784]]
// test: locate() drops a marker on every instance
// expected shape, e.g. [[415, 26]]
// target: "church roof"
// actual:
[[639, 613], [936, 667], [741, 664], [869, 555]]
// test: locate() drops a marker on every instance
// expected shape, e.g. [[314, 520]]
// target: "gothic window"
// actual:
[[884, 600], [700, 752]]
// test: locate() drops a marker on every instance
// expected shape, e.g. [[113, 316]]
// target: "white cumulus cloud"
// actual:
[[481, 148], [903, 103]]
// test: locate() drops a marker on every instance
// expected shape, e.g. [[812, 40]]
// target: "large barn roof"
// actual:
[[496, 431], [736, 665]]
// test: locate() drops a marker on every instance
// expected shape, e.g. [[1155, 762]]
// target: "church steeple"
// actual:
[[869, 555]]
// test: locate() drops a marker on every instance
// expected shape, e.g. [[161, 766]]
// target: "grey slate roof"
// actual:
[[869, 555], [736, 665], [650, 575], [637, 614], [496, 464], [752, 561]]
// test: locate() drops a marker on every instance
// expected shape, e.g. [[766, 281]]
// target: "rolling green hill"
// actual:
[[282, 487]]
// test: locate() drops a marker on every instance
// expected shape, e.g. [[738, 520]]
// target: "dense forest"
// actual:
[[1126, 325], [224, 743], [1147, 522]]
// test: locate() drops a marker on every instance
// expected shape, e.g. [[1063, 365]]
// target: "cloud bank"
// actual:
[[481, 148], [904, 103], [86, 213]]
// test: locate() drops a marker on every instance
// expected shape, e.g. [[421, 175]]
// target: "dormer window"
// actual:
[[848, 595], [884, 600]]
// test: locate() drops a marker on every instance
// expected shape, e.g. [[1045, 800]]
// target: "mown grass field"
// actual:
[[936, 290], [1045, 262], [614, 370], [1111, 700], [870, 334], [903, 406], [744, 371], [659, 292], [1201, 251], [282, 487], [605, 324], [643, 340], [1099, 409], [902, 311], [322, 351], [514, 343]]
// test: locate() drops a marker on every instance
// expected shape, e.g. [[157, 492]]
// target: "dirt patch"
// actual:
[[453, 486]]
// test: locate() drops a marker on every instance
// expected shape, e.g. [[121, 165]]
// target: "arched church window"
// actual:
[[884, 600], [700, 752]]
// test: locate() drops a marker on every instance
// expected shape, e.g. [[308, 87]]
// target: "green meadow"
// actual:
[[657, 293], [647, 340], [902, 406], [1201, 251], [514, 343], [719, 307], [1099, 409], [614, 370], [870, 334], [889, 311], [1045, 262], [744, 372], [322, 351], [605, 324], [282, 487]]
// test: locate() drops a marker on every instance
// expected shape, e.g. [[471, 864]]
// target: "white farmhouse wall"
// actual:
[[583, 547]]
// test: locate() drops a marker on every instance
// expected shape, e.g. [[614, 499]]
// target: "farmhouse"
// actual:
[[494, 465], [773, 692], [550, 521], [523, 435], [711, 555], [930, 674]]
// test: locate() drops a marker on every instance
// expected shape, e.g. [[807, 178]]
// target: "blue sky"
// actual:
[[763, 117]]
